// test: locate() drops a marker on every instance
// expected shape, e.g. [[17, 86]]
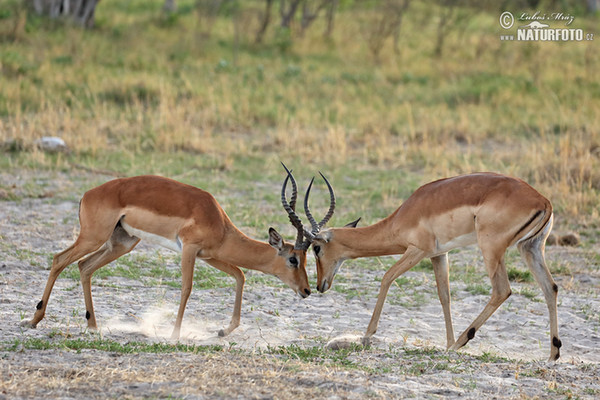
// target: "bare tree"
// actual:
[[265, 21], [330, 15], [384, 22], [287, 11], [397, 9], [453, 15], [310, 12], [80, 11]]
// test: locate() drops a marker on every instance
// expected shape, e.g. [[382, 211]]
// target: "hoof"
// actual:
[[28, 324], [367, 341], [93, 330], [222, 333], [344, 342]]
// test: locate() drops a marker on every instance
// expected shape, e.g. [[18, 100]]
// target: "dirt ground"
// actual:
[[505, 360]]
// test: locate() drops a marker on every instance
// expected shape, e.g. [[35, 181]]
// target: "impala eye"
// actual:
[[317, 249], [293, 261]]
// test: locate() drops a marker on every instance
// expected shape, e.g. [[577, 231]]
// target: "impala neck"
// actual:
[[369, 241], [242, 251]]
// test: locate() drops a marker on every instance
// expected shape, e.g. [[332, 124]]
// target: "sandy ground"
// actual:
[[32, 230]]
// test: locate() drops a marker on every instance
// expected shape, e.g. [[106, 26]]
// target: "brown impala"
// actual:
[[491, 210], [115, 216]]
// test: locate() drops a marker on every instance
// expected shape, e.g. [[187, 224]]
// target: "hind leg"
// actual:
[[80, 248], [96, 229], [532, 252], [494, 262], [120, 243]]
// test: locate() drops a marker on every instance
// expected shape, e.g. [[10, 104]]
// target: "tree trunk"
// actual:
[[264, 23], [80, 11], [330, 17], [170, 6], [287, 13], [309, 15]]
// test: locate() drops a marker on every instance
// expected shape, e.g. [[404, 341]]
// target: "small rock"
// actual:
[[570, 239], [51, 144]]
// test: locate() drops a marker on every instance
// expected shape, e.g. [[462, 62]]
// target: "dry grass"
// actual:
[[176, 375], [137, 84]]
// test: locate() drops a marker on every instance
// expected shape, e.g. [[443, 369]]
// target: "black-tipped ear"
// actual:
[[275, 239], [352, 224]]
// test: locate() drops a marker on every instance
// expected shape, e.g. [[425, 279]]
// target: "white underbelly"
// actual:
[[174, 245], [459, 241]]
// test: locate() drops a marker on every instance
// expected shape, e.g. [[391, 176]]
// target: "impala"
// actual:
[[115, 216], [488, 209]]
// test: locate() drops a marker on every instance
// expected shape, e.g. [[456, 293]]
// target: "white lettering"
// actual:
[[550, 35]]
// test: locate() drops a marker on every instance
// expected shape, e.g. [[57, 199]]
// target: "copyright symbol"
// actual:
[[507, 20]]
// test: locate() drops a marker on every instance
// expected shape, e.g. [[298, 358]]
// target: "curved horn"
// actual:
[[331, 203], [316, 227], [294, 187], [311, 219], [290, 207]]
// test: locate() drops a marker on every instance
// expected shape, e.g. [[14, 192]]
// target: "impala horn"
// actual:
[[316, 227], [290, 207]]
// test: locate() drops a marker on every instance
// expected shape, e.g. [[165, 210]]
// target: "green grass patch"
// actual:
[[529, 293], [519, 275], [318, 355], [423, 265], [479, 289], [108, 345], [152, 270]]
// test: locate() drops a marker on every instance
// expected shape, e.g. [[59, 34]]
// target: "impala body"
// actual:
[[115, 216], [491, 210]]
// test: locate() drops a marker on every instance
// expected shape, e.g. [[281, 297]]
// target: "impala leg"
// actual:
[[188, 258], [408, 260], [532, 252], [441, 271], [500, 292], [240, 279], [61, 260], [120, 243]]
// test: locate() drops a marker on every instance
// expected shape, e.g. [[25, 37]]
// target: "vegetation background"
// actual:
[[382, 96]]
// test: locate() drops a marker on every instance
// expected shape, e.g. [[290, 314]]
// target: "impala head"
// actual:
[[327, 254], [291, 264], [297, 252], [330, 255]]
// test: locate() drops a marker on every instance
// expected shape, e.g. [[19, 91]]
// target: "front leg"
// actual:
[[440, 269], [408, 260], [188, 259], [240, 279]]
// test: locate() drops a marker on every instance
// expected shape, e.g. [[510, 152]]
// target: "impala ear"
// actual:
[[275, 239], [352, 224]]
